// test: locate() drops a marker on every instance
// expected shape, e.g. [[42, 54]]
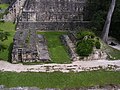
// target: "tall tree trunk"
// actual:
[[106, 28]]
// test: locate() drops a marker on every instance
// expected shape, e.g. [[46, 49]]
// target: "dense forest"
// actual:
[[96, 11]]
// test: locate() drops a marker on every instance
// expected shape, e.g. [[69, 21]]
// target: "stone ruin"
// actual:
[[14, 9], [70, 41], [45, 15], [53, 14], [29, 47]]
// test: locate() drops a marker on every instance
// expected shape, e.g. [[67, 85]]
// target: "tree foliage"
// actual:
[[115, 24], [96, 11]]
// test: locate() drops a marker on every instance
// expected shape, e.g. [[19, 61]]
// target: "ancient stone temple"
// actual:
[[52, 14], [43, 15]]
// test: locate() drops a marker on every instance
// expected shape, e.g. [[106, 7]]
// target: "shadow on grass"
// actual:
[[10, 52]]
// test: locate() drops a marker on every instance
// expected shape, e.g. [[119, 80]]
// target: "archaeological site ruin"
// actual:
[[44, 15]]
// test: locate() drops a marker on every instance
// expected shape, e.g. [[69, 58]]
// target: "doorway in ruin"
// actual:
[[20, 54]]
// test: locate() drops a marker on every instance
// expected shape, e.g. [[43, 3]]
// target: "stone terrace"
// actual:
[[44, 15], [53, 14], [29, 47]]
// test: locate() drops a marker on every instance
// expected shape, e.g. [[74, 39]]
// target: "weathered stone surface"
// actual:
[[53, 26], [97, 87], [53, 14], [70, 46], [29, 47], [53, 10], [14, 10], [2, 86], [97, 54], [44, 15], [24, 88]]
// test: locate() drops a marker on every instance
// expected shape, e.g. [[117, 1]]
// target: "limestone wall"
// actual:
[[52, 25], [14, 10], [54, 10], [53, 14], [29, 47]]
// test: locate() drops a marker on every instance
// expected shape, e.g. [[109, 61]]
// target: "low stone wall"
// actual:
[[70, 46], [97, 87], [74, 68], [29, 47], [53, 25], [3, 87]]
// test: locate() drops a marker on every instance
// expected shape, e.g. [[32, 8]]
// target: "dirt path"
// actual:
[[76, 66]]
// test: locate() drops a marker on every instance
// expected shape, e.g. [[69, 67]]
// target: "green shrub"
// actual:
[[97, 44], [82, 34], [86, 41], [2, 47], [85, 48]]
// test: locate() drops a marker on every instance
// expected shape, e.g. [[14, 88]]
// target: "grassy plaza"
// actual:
[[59, 80], [58, 53]]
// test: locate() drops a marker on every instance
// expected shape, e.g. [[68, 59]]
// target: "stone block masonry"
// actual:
[[14, 10], [29, 47], [44, 15], [54, 14], [53, 10], [53, 26], [70, 46]]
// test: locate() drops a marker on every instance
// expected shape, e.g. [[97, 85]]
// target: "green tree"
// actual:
[[96, 11]]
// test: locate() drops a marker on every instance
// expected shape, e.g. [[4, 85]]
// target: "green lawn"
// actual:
[[4, 6], [58, 79], [114, 54], [9, 27], [57, 50]]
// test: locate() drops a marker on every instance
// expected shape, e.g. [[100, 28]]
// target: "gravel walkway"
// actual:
[[76, 66]]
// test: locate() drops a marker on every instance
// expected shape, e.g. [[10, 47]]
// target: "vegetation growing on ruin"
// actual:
[[86, 40], [59, 80], [85, 47], [10, 28], [97, 12], [56, 49], [28, 38], [98, 16]]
